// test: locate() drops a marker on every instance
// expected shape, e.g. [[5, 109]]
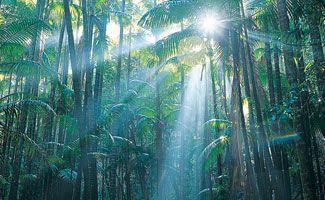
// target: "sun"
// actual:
[[209, 23]]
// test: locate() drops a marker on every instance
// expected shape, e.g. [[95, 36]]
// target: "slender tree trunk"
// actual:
[[61, 105], [17, 160], [269, 73], [158, 140], [54, 82], [303, 154], [224, 87], [99, 75], [259, 166], [259, 119], [313, 15], [263, 137], [276, 149], [129, 59], [215, 109], [291, 70], [281, 127], [76, 84], [120, 54], [31, 88], [90, 166], [236, 63], [277, 74]]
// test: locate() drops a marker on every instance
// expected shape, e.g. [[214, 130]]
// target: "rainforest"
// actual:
[[162, 100]]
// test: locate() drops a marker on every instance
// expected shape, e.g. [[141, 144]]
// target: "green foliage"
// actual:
[[68, 175], [3, 182], [15, 106], [167, 13], [220, 123], [211, 152], [21, 31], [169, 46], [57, 7], [29, 178], [25, 68]]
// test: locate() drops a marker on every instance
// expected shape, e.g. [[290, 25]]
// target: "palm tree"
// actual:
[[30, 88], [306, 168], [76, 80], [236, 60], [313, 19]]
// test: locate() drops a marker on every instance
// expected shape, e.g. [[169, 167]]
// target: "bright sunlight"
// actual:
[[209, 23]]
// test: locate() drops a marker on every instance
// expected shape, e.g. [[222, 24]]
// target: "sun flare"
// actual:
[[209, 23]]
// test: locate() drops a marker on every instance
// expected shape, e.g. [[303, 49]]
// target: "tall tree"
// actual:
[[303, 154]]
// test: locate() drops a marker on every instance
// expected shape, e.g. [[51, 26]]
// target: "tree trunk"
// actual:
[[261, 173], [90, 167], [259, 119], [303, 154], [269, 73], [129, 60], [281, 127], [313, 15], [120, 55], [76, 84], [31, 88], [158, 140], [277, 74], [215, 109], [18, 155], [236, 63]]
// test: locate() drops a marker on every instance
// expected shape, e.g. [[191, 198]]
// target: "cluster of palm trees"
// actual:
[[89, 117]]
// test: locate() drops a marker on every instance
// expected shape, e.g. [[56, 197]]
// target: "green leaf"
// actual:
[[68, 175], [3, 181], [220, 123], [168, 46], [211, 152], [167, 13], [26, 104], [22, 31]]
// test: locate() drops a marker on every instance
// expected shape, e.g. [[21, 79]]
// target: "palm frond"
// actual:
[[68, 175], [15, 106], [295, 8], [25, 68], [168, 47], [10, 50], [57, 7], [213, 150], [22, 31], [264, 11], [167, 13]]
